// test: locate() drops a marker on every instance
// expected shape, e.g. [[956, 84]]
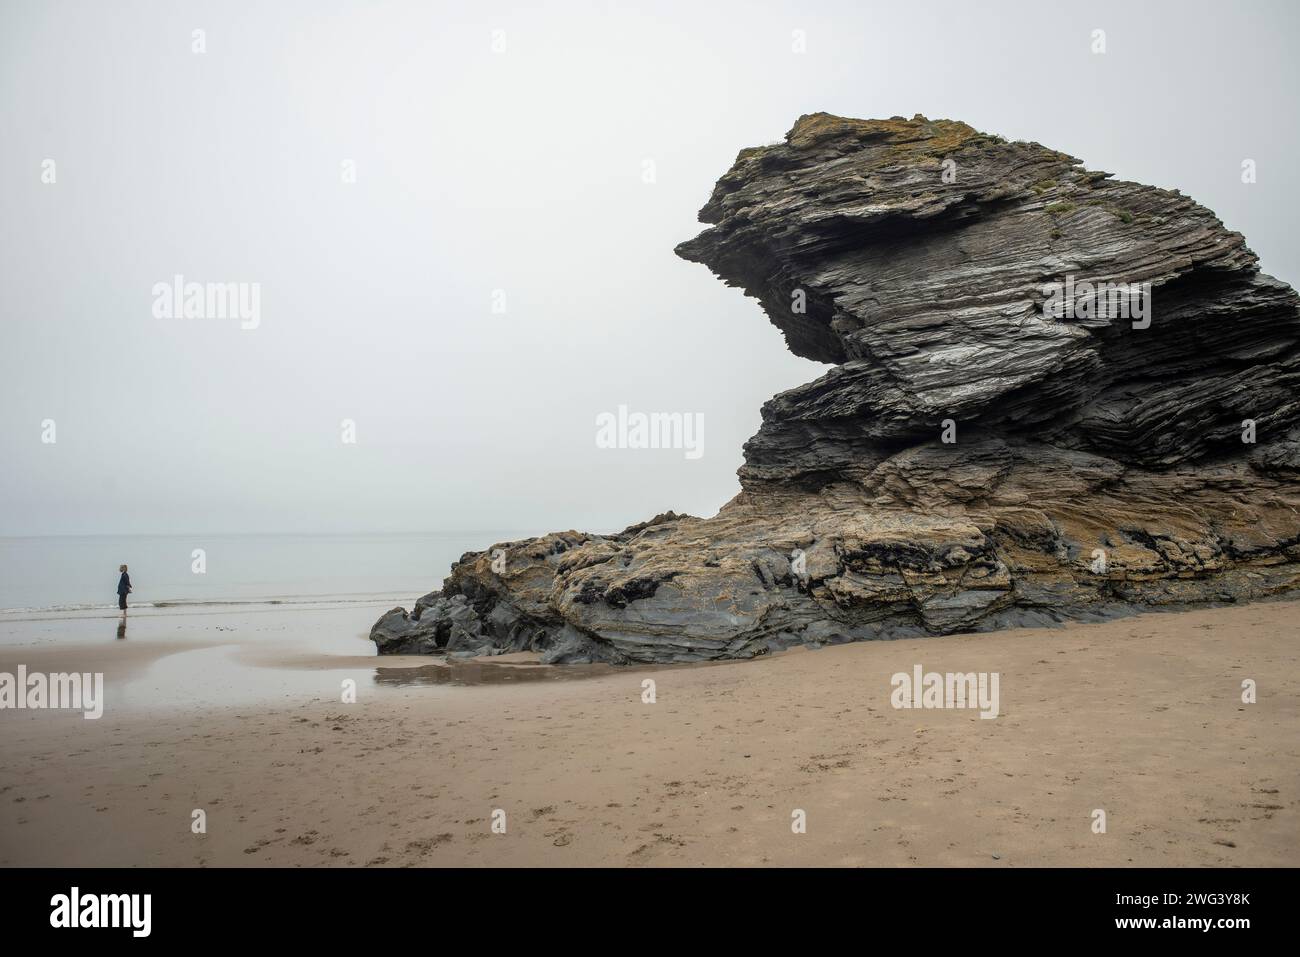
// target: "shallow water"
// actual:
[[234, 655], [474, 672], [322, 626]]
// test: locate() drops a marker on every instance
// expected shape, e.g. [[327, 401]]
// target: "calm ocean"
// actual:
[[80, 573]]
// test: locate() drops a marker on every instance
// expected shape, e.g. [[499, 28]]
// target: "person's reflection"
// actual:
[[121, 628]]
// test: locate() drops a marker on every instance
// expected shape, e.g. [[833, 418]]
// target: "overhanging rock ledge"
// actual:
[[1096, 463]]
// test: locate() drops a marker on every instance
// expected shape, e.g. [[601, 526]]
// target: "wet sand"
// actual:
[[1140, 717]]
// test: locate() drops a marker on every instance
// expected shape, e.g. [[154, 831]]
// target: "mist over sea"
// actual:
[[78, 573]]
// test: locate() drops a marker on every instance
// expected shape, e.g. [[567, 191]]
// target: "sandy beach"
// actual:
[[1140, 717]]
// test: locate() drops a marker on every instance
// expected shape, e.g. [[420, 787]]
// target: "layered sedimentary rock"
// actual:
[[1054, 395]]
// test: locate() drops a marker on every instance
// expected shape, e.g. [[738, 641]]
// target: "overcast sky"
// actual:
[[520, 169]]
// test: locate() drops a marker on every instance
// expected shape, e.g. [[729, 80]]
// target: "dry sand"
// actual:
[[1141, 717]]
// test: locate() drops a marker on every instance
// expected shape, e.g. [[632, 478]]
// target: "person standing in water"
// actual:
[[123, 589]]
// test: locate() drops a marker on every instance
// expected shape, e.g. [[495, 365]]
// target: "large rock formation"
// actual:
[[1055, 395]]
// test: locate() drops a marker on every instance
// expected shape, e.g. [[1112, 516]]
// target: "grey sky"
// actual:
[[477, 170]]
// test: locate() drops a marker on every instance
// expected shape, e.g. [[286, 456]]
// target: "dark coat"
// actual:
[[124, 584]]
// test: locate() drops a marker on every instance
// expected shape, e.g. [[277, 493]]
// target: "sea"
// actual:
[[53, 574]]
